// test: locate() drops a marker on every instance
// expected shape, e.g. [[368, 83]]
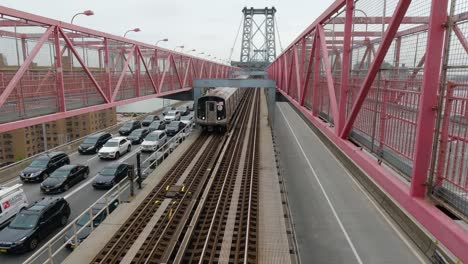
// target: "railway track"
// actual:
[[182, 219]]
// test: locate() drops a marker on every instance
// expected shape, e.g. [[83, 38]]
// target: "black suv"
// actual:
[[157, 125], [110, 175], [92, 143], [149, 119], [184, 110], [34, 224], [137, 136], [42, 166], [174, 127], [64, 177], [128, 127]]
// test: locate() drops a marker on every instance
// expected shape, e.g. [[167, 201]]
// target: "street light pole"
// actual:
[[86, 13], [130, 30], [164, 39]]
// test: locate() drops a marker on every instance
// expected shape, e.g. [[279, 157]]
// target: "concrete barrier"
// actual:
[[11, 171]]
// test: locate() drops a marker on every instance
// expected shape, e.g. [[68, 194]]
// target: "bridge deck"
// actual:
[[335, 221]]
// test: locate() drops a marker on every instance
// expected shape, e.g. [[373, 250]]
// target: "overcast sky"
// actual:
[[208, 26]]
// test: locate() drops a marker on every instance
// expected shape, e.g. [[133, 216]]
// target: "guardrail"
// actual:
[[11, 171], [52, 251]]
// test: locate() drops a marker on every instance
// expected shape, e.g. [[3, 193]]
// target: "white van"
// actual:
[[12, 200]]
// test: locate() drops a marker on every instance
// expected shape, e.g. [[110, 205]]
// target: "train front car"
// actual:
[[214, 109]]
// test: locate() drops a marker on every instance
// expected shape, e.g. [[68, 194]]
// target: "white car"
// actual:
[[12, 200], [173, 115], [187, 120], [114, 148], [154, 140]]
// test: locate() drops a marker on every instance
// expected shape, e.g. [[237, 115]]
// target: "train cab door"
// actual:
[[210, 111]]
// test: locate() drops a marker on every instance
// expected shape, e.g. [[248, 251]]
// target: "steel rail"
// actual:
[[135, 224]]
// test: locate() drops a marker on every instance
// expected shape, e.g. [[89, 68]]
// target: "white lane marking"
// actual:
[[70, 194], [381, 212], [343, 229], [17, 179], [74, 191]]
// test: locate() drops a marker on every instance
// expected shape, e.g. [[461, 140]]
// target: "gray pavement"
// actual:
[[80, 196], [335, 221]]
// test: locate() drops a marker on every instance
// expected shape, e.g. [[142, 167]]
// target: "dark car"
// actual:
[[157, 125], [110, 175], [42, 166], [184, 110], [83, 223], [128, 127], [174, 127], [167, 109], [92, 143], [34, 224], [137, 136], [63, 178], [149, 119]]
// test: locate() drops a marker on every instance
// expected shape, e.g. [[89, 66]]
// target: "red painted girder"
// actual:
[[328, 73], [83, 65], [122, 74], [345, 65], [69, 113], [148, 73], [428, 100], [24, 66], [398, 15]]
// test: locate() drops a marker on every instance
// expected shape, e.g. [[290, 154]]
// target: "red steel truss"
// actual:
[[387, 82], [51, 70]]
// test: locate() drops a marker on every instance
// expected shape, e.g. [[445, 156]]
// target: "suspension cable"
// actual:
[[235, 40]]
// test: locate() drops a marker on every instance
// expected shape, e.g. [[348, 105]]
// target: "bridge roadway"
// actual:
[[80, 196], [335, 220]]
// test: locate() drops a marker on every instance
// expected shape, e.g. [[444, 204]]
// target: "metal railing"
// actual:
[[12, 170], [52, 251]]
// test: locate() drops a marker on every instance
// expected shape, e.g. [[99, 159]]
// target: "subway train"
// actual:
[[216, 108]]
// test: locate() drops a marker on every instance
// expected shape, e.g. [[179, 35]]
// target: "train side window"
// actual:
[[211, 106]]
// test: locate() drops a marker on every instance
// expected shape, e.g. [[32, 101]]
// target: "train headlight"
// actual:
[[219, 118], [203, 118]]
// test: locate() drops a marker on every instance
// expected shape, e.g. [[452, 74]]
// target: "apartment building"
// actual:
[[26, 142]]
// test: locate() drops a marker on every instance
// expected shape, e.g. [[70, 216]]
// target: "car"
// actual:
[[174, 127], [167, 109], [42, 166], [190, 107], [110, 175], [154, 140], [92, 143], [114, 148], [64, 177], [157, 125], [187, 120], [184, 110], [34, 224], [137, 136], [149, 119], [173, 115], [12, 200], [99, 214], [128, 127]]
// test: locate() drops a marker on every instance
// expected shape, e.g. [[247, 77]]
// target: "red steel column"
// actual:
[[59, 69], [137, 71], [315, 85], [428, 101], [107, 69], [345, 65]]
